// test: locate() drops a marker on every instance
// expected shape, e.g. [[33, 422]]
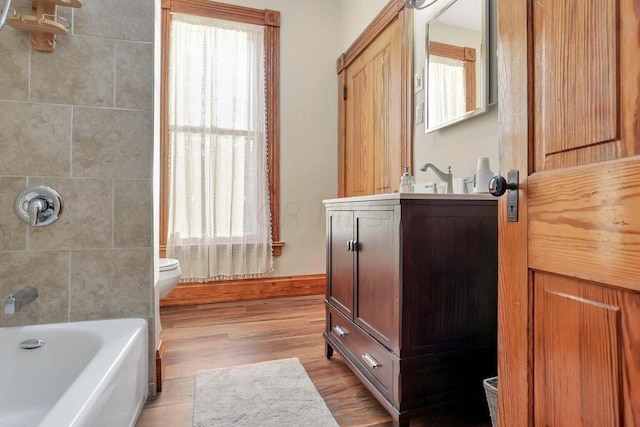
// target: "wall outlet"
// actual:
[[419, 117]]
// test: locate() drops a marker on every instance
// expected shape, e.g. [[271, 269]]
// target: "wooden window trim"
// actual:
[[270, 19], [468, 57]]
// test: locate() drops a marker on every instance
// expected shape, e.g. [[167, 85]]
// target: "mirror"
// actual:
[[456, 64]]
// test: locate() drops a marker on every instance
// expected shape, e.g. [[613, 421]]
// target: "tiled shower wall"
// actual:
[[80, 120]]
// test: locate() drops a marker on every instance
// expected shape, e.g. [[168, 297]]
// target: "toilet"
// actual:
[[169, 276]]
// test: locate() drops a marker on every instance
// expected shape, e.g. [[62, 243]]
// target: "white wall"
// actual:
[[355, 15], [309, 47], [459, 145]]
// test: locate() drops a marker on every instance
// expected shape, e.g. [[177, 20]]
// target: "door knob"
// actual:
[[498, 186]]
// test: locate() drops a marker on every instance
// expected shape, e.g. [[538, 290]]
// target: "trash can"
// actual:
[[491, 390]]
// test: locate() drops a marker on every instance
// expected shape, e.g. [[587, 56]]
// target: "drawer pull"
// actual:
[[339, 331], [373, 363]]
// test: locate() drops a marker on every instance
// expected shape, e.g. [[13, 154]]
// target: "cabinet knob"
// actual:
[[352, 245]]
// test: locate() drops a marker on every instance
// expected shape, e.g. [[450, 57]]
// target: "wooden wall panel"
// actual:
[[369, 117], [381, 123], [360, 139], [375, 140], [576, 74]]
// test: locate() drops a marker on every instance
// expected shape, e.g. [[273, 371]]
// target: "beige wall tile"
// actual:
[[134, 76], [111, 283], [48, 272], [13, 232], [133, 205], [116, 19], [79, 72], [112, 143], [35, 139], [14, 65], [86, 221]]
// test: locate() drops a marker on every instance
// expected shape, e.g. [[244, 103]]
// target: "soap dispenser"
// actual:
[[406, 181]]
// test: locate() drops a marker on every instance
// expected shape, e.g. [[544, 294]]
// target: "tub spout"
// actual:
[[14, 302]]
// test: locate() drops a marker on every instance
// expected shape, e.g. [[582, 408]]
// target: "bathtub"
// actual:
[[92, 373]]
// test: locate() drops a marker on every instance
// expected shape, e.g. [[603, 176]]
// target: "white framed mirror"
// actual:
[[457, 63]]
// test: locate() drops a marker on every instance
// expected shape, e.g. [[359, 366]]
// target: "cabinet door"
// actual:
[[377, 275], [340, 260]]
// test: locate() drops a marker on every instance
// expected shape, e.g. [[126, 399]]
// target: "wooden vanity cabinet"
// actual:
[[411, 299]]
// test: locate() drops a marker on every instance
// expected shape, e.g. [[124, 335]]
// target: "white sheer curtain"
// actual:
[[447, 90], [219, 223]]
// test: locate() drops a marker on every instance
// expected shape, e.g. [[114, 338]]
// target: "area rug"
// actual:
[[275, 393]]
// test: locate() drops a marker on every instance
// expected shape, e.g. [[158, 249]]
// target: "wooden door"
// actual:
[[340, 260], [377, 275], [569, 270]]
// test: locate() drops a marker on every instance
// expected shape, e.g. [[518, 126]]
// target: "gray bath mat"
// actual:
[[275, 393]]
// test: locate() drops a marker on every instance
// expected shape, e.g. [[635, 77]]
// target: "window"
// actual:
[[447, 85], [214, 147]]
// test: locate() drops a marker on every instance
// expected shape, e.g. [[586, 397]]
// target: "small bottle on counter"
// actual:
[[406, 182]]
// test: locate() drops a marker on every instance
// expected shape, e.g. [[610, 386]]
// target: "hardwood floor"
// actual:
[[227, 334]]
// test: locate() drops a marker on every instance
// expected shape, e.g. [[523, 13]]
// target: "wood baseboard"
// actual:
[[245, 290], [159, 366]]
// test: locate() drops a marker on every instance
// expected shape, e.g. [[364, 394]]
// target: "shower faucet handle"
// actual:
[[35, 207], [38, 205]]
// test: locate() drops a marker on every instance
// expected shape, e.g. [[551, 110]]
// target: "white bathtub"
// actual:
[[87, 374]]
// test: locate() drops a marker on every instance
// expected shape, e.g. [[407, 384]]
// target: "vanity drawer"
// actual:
[[370, 357]]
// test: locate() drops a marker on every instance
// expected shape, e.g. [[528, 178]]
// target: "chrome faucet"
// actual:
[[446, 177], [465, 183], [14, 302]]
